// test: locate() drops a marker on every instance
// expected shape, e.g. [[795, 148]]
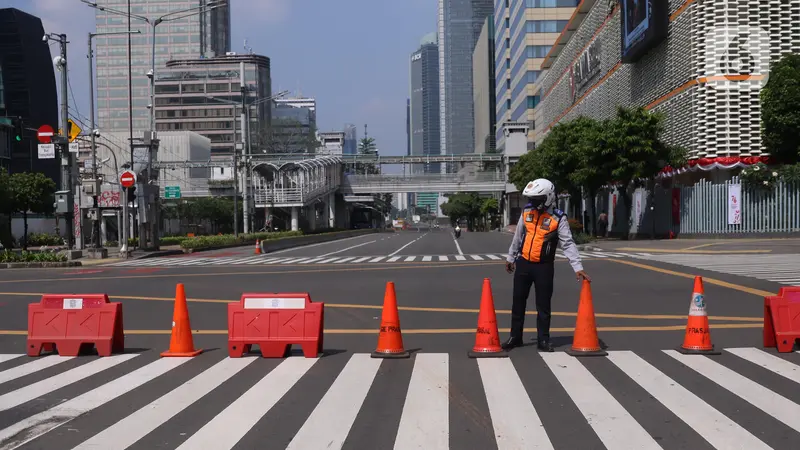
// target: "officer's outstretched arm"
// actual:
[[516, 243], [568, 245]]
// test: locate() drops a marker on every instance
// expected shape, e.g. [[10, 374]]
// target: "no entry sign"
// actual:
[[44, 134], [127, 179]]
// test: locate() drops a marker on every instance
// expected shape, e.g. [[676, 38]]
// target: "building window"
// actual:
[[508, 83], [538, 51], [533, 100], [551, 3], [508, 22], [508, 103], [545, 26], [508, 43], [533, 75], [508, 63]]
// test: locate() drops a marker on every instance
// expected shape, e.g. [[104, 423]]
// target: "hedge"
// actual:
[[8, 256], [229, 240]]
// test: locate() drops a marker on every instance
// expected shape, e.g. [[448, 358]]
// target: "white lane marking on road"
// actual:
[[410, 259], [401, 248], [8, 357], [349, 248], [312, 260], [362, 259], [377, 259], [426, 258], [344, 259], [748, 390], [230, 425], [609, 420], [318, 244], [393, 258], [127, 431], [458, 247], [46, 386], [31, 367], [460, 258], [493, 257], [425, 420], [595, 254], [328, 260], [515, 421], [476, 257], [559, 255], [330, 422], [712, 425], [39, 424], [770, 362], [260, 260]]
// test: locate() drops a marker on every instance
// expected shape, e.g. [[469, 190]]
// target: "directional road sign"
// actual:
[[44, 134], [172, 192], [74, 130], [127, 179]]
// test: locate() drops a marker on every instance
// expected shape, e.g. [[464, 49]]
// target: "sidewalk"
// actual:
[[703, 246]]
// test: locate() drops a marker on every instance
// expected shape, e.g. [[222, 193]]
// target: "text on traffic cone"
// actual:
[[697, 338], [487, 338], [181, 342], [390, 338], [585, 341]]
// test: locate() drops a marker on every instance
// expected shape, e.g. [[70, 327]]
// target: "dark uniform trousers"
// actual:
[[539, 275]]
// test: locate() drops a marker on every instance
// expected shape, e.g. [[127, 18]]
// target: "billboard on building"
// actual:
[[644, 24]]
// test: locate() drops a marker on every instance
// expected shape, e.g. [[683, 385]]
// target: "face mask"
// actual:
[[538, 202]]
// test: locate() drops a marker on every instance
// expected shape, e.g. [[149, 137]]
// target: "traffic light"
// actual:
[[17, 122], [132, 194]]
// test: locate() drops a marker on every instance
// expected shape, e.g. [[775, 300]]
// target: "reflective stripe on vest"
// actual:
[[541, 236]]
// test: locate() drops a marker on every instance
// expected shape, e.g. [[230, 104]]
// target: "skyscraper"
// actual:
[[197, 36], [459, 23], [525, 33], [424, 106]]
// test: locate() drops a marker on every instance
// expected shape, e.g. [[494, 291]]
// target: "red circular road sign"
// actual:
[[44, 134], [127, 179]]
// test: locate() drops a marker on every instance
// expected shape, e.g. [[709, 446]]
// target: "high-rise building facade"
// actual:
[[483, 89], [204, 96], [424, 105], [193, 37], [459, 25], [27, 90], [350, 139], [525, 31]]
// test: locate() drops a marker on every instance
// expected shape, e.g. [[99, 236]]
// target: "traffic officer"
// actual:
[[531, 258]]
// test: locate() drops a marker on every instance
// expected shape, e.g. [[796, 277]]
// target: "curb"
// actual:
[[39, 265], [159, 253]]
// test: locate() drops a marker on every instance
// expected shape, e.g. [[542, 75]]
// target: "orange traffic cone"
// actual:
[[487, 339], [258, 247], [181, 343], [390, 339], [697, 339], [585, 341]]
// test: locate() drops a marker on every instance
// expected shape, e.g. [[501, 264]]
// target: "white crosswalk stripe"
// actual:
[[602, 405], [340, 259], [778, 268]]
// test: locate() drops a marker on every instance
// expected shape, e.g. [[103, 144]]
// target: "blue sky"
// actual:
[[351, 55]]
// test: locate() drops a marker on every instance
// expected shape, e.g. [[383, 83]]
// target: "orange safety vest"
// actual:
[[541, 235]]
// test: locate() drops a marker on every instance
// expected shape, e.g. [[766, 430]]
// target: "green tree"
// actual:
[[31, 192], [591, 170], [490, 208], [463, 206], [632, 149], [780, 110]]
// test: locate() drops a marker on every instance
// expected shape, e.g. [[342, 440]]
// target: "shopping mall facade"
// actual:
[[660, 57]]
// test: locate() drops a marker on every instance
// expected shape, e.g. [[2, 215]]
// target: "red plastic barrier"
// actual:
[[275, 322], [782, 319], [67, 322]]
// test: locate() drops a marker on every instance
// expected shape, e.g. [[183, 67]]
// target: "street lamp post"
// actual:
[[93, 133]]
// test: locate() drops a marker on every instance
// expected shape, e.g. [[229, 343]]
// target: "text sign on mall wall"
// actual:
[[587, 65], [172, 192]]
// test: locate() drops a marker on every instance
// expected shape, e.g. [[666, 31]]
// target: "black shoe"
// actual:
[[511, 343], [545, 347]]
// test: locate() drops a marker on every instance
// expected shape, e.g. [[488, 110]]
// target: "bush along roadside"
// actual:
[[14, 260], [229, 240]]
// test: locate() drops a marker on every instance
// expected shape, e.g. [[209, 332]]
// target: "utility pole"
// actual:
[[245, 139], [235, 180]]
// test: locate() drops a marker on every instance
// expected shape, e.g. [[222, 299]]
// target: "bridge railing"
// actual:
[[433, 178], [278, 196]]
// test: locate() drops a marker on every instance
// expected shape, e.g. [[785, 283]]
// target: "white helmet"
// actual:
[[542, 192]]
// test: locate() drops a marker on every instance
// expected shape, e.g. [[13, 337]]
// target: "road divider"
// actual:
[[782, 319]]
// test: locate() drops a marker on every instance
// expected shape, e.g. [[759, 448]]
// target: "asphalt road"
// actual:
[[643, 395]]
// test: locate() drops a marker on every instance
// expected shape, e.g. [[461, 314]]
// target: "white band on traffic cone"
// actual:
[[698, 305]]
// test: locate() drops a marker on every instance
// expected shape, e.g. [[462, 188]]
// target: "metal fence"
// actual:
[[704, 209]]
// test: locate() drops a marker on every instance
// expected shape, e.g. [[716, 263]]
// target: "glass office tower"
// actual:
[[200, 36]]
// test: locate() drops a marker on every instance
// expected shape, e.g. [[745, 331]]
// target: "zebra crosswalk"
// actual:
[[746, 398], [258, 260], [778, 268]]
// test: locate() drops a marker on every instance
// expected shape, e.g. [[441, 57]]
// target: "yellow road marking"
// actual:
[[431, 330], [736, 287], [422, 308], [690, 252], [701, 246]]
